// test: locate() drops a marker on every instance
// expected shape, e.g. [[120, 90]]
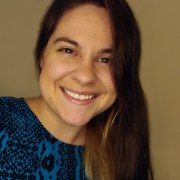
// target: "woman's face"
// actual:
[[76, 80]]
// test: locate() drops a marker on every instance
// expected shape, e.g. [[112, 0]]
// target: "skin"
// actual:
[[76, 61]]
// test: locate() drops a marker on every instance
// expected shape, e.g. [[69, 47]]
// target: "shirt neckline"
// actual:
[[46, 131]]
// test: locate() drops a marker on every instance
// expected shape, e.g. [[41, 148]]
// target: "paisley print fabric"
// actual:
[[29, 151]]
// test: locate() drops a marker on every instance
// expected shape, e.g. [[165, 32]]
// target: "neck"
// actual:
[[54, 125]]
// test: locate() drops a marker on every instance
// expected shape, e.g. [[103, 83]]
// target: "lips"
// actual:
[[80, 97]]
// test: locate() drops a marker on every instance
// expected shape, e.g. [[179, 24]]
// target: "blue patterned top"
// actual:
[[29, 151]]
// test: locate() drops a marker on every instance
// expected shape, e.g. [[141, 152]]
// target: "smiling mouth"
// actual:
[[80, 97]]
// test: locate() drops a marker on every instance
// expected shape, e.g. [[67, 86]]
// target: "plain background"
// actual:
[[160, 71]]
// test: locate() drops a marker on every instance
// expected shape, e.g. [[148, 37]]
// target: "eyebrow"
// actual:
[[105, 51], [65, 39], [68, 40]]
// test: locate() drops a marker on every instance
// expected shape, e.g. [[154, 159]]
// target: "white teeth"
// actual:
[[78, 96], [86, 97], [82, 97]]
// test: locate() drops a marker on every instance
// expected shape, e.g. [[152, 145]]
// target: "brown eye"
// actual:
[[104, 60], [68, 51]]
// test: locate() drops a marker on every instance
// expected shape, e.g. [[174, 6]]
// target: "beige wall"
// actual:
[[19, 20], [159, 22]]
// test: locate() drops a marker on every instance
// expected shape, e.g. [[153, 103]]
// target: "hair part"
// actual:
[[117, 142]]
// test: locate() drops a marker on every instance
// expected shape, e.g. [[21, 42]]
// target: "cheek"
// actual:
[[112, 93], [54, 70], [107, 81], [110, 88]]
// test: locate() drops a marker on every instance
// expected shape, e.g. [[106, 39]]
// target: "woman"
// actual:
[[91, 119]]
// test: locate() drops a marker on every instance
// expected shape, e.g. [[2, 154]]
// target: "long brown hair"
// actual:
[[117, 142]]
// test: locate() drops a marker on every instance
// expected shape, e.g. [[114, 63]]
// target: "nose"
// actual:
[[84, 73]]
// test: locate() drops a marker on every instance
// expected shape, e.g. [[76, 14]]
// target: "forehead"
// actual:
[[88, 21]]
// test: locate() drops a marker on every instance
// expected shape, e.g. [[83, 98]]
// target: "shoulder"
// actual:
[[7, 103], [14, 115], [10, 107], [8, 100]]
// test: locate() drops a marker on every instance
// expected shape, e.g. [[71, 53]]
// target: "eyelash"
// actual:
[[104, 60], [72, 52], [67, 51]]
